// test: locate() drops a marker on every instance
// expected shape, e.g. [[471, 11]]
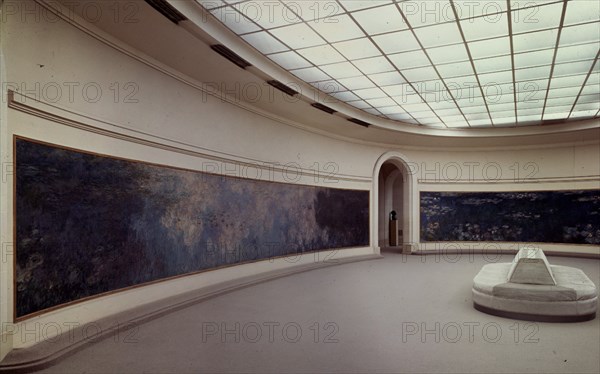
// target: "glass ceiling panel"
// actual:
[[573, 68], [408, 61], [397, 90], [448, 54], [583, 113], [531, 104], [561, 101], [394, 109], [586, 33], [535, 40], [569, 81], [209, 4], [455, 69], [298, 36], [290, 60], [454, 118], [310, 10], [321, 55], [338, 29], [530, 112], [359, 104], [495, 78], [381, 102], [345, 96], [448, 112], [583, 11], [380, 20], [311, 74], [264, 42], [373, 111], [341, 70], [577, 53], [409, 97], [420, 110], [402, 41], [420, 74], [536, 18], [480, 123], [471, 101], [374, 65], [520, 4], [443, 104], [439, 35], [370, 93], [475, 111], [537, 58], [267, 14], [588, 99], [538, 72], [422, 13], [358, 48], [501, 107], [356, 83], [591, 89], [485, 27], [469, 8], [351, 5], [493, 64], [329, 86], [586, 106], [387, 79], [490, 47], [401, 116], [234, 20]]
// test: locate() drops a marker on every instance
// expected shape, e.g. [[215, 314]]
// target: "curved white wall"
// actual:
[[59, 67]]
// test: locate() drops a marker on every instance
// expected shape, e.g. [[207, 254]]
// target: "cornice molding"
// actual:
[[113, 130]]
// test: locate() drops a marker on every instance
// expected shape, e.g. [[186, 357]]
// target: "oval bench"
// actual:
[[531, 289]]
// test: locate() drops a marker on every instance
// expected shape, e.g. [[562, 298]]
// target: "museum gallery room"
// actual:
[[308, 186]]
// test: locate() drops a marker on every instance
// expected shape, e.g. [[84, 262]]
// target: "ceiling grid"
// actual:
[[434, 63]]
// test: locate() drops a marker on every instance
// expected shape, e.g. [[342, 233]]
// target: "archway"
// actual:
[[393, 190]]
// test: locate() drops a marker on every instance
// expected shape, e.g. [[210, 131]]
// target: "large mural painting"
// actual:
[[542, 217], [88, 224]]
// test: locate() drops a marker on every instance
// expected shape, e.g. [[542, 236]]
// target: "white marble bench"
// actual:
[[530, 288]]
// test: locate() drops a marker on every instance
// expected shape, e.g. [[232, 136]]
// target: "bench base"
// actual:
[[534, 317]]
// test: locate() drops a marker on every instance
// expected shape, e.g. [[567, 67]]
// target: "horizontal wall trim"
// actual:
[[31, 106], [512, 181]]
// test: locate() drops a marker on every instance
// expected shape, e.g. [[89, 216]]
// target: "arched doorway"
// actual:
[[391, 183], [393, 189]]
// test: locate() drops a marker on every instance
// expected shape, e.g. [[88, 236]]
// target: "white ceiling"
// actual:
[[439, 64]]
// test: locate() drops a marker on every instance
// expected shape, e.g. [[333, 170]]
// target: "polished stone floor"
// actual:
[[400, 314]]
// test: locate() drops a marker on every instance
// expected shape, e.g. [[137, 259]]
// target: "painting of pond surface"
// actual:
[[542, 217], [87, 224]]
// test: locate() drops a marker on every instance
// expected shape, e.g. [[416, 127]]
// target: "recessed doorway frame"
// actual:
[[410, 218]]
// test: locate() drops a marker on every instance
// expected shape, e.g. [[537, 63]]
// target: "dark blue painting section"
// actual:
[[88, 224], [543, 217]]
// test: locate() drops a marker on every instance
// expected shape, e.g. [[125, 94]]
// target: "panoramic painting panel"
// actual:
[[538, 216], [88, 224]]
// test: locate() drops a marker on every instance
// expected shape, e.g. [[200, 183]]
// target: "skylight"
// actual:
[[434, 63]]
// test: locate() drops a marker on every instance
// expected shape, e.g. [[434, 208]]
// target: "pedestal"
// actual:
[[394, 237]]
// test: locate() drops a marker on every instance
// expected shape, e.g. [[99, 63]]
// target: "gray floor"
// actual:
[[402, 314]]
